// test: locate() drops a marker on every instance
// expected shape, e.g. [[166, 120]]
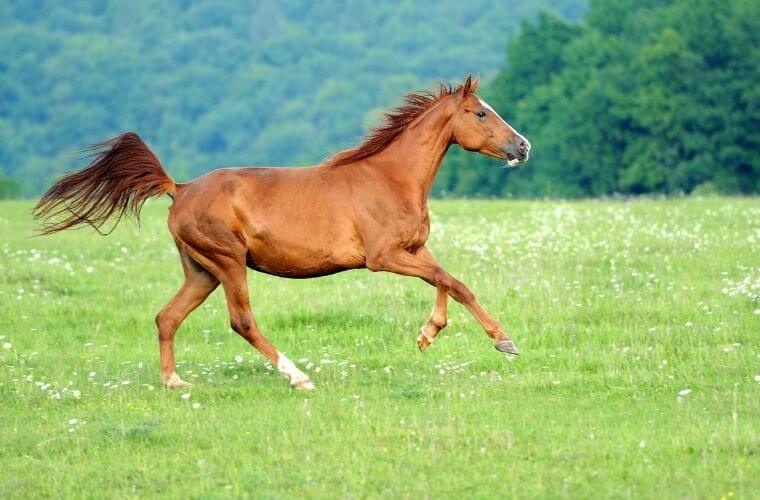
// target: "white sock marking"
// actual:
[[290, 370], [174, 381]]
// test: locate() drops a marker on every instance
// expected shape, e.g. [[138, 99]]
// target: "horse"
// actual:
[[365, 207]]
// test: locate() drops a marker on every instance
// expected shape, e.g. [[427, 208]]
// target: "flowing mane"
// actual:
[[395, 121]]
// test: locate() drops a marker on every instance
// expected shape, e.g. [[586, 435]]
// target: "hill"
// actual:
[[228, 83]]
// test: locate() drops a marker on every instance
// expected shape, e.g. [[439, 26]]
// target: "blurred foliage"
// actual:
[[9, 188], [217, 83], [633, 97], [639, 96]]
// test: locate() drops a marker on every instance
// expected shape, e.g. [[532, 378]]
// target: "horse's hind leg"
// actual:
[[232, 274], [198, 284], [241, 318]]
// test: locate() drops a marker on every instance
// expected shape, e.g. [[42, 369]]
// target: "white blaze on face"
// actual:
[[514, 162], [289, 370], [489, 108]]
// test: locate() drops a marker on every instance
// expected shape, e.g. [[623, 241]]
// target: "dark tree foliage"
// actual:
[[9, 188], [231, 82], [640, 96]]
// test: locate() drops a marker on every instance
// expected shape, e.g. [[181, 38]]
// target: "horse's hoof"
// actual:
[[303, 385], [174, 382], [422, 341], [506, 346]]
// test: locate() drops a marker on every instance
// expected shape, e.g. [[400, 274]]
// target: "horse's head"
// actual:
[[477, 127]]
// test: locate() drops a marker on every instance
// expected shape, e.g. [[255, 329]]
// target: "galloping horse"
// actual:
[[365, 207]]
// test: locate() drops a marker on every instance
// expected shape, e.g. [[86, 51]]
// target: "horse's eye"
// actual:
[[480, 114]]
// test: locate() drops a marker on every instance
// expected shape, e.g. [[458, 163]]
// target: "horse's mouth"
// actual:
[[512, 160]]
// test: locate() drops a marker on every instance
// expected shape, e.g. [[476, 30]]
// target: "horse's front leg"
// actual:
[[464, 296], [423, 265]]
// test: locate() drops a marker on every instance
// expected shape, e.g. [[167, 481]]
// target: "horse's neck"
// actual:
[[415, 157]]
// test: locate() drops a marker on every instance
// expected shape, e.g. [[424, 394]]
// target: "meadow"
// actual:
[[639, 374]]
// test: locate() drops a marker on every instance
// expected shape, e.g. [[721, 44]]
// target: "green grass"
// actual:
[[618, 308]]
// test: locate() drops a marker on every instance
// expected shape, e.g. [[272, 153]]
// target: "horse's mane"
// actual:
[[395, 121]]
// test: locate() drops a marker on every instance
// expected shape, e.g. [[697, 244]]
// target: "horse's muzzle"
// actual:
[[516, 151]]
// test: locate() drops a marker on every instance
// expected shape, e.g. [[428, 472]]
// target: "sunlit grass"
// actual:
[[637, 324]]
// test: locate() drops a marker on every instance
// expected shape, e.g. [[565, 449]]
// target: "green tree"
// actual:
[[638, 97], [9, 188], [217, 83]]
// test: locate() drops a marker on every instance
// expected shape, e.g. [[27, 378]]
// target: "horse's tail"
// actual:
[[123, 174]]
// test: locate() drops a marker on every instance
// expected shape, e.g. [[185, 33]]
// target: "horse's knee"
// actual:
[[442, 279], [167, 325]]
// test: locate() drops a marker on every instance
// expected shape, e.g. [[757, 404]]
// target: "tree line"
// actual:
[[638, 96], [617, 96], [227, 82]]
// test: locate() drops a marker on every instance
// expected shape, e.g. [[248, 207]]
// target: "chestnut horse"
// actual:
[[363, 207]]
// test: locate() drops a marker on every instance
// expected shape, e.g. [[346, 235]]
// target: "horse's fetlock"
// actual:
[[439, 322], [496, 333]]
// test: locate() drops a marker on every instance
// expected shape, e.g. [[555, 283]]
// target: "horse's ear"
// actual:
[[475, 82], [467, 85]]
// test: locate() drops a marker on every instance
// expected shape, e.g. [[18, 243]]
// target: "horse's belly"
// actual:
[[294, 258]]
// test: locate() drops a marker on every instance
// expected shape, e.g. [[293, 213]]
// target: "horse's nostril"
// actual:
[[522, 147]]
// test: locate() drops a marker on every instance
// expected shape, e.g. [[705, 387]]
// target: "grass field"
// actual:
[[639, 376]]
